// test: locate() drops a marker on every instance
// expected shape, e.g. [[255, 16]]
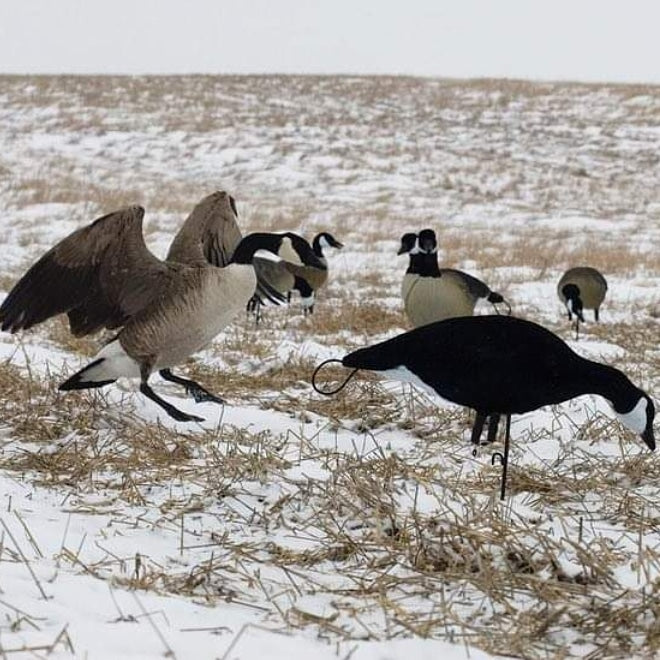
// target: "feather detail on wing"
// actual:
[[100, 275], [210, 233], [277, 276]]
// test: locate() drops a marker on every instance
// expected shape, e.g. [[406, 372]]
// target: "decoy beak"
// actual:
[[649, 438]]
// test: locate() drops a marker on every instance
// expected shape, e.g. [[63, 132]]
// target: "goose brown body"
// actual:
[[104, 276]]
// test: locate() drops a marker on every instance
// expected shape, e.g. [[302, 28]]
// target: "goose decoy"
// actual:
[[502, 365], [431, 293], [314, 279], [286, 278], [104, 276], [582, 288]]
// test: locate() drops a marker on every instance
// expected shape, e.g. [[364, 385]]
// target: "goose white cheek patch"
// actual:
[[635, 420]]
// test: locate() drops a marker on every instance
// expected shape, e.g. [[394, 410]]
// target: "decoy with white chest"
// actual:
[[501, 365], [431, 293], [104, 276]]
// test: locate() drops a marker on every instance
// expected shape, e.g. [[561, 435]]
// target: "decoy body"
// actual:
[[582, 288], [104, 276], [501, 365], [286, 278], [431, 293]]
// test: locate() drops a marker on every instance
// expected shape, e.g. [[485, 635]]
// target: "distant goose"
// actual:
[[431, 293], [582, 288], [286, 278], [104, 276], [501, 365]]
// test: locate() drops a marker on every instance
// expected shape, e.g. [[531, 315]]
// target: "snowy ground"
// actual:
[[288, 525]]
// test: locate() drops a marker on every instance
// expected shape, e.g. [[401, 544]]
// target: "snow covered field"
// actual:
[[288, 525]]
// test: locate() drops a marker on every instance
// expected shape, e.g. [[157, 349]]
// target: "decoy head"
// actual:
[[640, 419], [326, 239], [297, 250], [574, 303], [408, 244], [427, 241]]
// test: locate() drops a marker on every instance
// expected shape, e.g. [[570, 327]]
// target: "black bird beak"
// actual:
[[335, 243], [402, 250], [649, 438]]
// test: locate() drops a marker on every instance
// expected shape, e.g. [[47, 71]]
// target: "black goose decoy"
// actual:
[[104, 276], [431, 293], [582, 288], [501, 365]]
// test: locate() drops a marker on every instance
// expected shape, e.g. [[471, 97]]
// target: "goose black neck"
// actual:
[[608, 382], [428, 264], [415, 264], [251, 243], [316, 245]]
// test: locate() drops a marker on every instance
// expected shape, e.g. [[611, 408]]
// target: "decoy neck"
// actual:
[[288, 246], [634, 408]]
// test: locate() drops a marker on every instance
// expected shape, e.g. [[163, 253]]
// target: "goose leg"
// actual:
[[577, 328], [505, 457], [493, 423], [596, 314], [194, 389], [173, 412], [477, 429]]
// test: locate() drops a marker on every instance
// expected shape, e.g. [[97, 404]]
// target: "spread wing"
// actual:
[[210, 233], [100, 275]]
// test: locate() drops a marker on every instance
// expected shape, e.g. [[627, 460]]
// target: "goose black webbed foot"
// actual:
[[201, 395], [171, 410], [195, 390]]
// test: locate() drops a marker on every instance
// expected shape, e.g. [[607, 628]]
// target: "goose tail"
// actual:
[[111, 362], [372, 358], [88, 377]]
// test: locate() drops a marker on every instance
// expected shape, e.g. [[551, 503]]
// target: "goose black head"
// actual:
[[427, 241], [640, 419], [574, 303], [325, 240], [408, 244], [297, 250]]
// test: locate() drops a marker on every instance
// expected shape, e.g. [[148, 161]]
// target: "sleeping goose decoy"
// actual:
[[104, 276], [582, 288], [501, 365], [431, 293]]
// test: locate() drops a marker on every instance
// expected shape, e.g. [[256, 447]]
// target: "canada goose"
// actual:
[[314, 279], [104, 276], [581, 288], [501, 365], [285, 277], [431, 293]]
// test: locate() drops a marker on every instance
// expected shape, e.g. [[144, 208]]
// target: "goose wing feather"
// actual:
[[210, 233], [100, 275]]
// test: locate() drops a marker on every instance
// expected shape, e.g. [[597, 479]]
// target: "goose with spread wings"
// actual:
[[104, 276]]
